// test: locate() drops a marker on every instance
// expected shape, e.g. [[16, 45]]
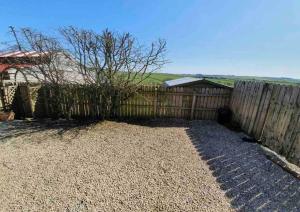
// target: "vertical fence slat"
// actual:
[[271, 113]]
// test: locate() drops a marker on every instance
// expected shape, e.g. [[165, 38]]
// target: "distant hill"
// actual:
[[159, 78], [277, 80], [251, 77]]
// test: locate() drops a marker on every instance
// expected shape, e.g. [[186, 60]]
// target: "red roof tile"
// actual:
[[17, 54], [4, 67]]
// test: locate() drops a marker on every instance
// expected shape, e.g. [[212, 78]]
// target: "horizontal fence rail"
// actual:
[[270, 113]]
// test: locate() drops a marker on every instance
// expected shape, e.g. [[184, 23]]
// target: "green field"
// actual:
[[159, 78]]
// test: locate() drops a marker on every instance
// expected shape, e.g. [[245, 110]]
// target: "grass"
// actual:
[[228, 82], [159, 78]]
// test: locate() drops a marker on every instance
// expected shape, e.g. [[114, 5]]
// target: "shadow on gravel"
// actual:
[[166, 122], [249, 179], [22, 127]]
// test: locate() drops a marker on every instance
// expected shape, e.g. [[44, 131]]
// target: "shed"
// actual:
[[190, 82]]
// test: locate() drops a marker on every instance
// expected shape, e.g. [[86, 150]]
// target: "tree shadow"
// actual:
[[155, 122], [18, 128], [249, 179]]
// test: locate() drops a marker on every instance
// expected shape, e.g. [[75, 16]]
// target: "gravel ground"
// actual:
[[106, 167], [250, 180], [160, 166]]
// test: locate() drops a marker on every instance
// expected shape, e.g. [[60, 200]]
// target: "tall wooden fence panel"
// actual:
[[175, 103], [78, 101], [270, 113]]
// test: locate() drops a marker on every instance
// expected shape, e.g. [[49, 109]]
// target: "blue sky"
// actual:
[[240, 37]]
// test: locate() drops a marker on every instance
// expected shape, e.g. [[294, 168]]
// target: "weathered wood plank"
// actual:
[[256, 103], [271, 113]]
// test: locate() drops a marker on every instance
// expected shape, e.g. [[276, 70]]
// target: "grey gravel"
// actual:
[[250, 180]]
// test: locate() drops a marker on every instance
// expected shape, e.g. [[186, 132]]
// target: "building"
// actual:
[[12, 64], [194, 84], [18, 66]]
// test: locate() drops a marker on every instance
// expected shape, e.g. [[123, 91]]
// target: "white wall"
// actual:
[[18, 76]]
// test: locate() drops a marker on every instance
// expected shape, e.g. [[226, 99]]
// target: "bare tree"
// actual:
[[112, 58], [43, 52], [115, 62]]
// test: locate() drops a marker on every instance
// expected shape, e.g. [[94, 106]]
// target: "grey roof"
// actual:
[[181, 81]]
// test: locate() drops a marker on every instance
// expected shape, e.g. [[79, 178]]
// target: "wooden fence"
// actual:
[[7, 93], [148, 102], [270, 113]]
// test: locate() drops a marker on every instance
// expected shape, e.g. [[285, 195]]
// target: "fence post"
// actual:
[[193, 105], [28, 94], [155, 102], [45, 101], [2, 96]]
